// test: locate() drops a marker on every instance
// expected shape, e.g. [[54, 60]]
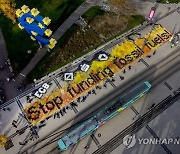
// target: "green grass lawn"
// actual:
[[92, 12], [38, 72], [57, 10], [18, 41], [135, 20]]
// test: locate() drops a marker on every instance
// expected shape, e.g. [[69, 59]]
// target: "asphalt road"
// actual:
[[153, 74], [138, 124]]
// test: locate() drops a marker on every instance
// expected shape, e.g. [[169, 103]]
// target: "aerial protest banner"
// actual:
[[122, 55]]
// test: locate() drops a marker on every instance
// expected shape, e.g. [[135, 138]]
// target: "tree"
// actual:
[[7, 7]]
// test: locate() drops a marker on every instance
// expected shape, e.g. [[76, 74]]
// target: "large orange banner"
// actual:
[[121, 55]]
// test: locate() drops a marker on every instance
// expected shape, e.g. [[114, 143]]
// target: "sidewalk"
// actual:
[[5, 72], [12, 86], [41, 53], [57, 35], [55, 125]]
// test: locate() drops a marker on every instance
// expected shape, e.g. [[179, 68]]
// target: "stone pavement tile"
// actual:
[[52, 126], [24, 101], [173, 80], [79, 147], [60, 80], [7, 118], [154, 96], [173, 22], [6, 128], [161, 53], [140, 148], [114, 125], [135, 69], [16, 141], [167, 125]]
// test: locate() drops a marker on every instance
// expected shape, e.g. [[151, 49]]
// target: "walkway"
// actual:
[[53, 125], [57, 35], [13, 85], [5, 72]]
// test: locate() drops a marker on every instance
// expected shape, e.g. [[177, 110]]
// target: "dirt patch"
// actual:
[[109, 24]]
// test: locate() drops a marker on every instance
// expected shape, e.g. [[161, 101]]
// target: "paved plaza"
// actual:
[[14, 109], [165, 125]]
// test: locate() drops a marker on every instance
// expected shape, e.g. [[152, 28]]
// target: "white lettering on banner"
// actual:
[[42, 90], [46, 86], [38, 95]]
